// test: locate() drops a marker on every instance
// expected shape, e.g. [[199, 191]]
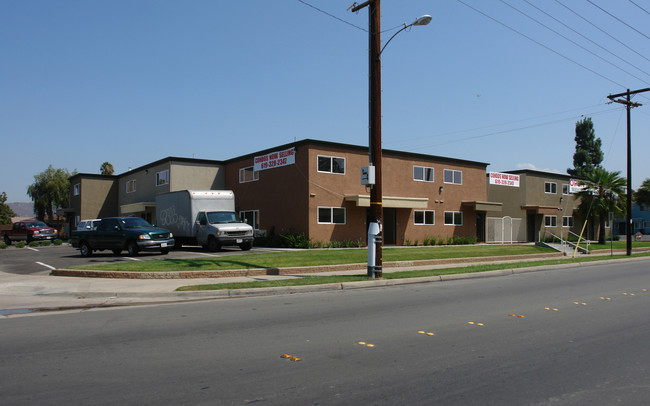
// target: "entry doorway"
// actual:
[[390, 227]]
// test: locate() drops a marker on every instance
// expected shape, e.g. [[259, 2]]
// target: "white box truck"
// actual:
[[203, 217]]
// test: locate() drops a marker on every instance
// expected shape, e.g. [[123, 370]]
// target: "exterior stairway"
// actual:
[[566, 247]]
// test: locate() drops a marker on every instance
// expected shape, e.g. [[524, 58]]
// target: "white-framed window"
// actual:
[[251, 217], [567, 221], [422, 174], [453, 218], [331, 215], [130, 186], [550, 221], [331, 164], [646, 224], [77, 219], [565, 189], [424, 217], [76, 189], [550, 187], [162, 177], [248, 174], [452, 176]]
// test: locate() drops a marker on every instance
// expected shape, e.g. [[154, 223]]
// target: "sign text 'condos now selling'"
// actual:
[[504, 179], [275, 160]]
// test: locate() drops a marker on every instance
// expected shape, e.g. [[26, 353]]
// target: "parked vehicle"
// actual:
[[117, 234], [29, 231], [88, 224], [203, 217]]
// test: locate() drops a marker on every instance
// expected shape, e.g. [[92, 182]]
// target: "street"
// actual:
[[563, 337]]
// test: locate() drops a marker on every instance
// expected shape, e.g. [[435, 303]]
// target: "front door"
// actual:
[[389, 228], [480, 227]]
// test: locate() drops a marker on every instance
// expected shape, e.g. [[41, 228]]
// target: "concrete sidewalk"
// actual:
[[21, 294]]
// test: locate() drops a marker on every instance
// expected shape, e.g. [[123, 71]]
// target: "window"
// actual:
[[330, 164], [550, 221], [565, 189], [130, 186], [424, 217], [251, 217], [248, 174], [567, 221], [76, 189], [162, 178], [646, 224], [550, 187], [422, 174], [77, 219], [331, 215], [453, 218], [455, 177]]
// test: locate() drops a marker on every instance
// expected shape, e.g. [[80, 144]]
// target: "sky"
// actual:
[[501, 82]]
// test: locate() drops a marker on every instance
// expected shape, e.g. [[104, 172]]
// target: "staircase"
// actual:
[[566, 247]]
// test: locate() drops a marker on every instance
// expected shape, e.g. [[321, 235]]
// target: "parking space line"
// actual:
[[46, 265], [133, 259], [30, 248]]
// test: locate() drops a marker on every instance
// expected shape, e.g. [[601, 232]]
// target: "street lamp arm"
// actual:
[[424, 20]]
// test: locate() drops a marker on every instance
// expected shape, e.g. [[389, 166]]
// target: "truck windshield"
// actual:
[[134, 222], [36, 224], [215, 217]]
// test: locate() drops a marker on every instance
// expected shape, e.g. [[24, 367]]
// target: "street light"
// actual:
[[374, 134]]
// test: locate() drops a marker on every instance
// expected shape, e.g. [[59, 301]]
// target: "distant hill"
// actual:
[[22, 209]]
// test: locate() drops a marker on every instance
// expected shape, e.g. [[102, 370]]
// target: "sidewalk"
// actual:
[[25, 294]]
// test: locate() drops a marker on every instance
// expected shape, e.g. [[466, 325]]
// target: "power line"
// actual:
[[647, 12], [332, 15], [616, 18], [540, 44], [585, 37], [603, 31], [571, 41]]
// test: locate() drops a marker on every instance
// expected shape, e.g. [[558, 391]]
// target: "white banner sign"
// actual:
[[275, 160], [574, 187], [504, 179]]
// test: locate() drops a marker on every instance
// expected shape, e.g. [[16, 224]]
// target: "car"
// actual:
[[29, 231], [88, 224]]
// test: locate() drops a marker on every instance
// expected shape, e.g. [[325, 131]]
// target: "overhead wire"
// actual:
[[647, 12], [616, 18], [540, 44]]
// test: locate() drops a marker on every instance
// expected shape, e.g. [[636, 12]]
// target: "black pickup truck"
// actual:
[[117, 234]]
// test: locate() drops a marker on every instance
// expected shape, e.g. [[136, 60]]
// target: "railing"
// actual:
[[546, 236]]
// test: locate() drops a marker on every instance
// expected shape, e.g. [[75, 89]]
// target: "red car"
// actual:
[[29, 231]]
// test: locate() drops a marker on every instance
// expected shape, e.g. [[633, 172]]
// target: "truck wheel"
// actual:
[[245, 246], [213, 244], [132, 249], [7, 240], [84, 249]]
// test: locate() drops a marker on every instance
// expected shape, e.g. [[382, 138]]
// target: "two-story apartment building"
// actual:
[[536, 205], [312, 187]]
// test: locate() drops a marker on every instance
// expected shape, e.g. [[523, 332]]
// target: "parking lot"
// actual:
[[41, 260]]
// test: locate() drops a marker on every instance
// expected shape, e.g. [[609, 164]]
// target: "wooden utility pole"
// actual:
[[629, 105], [374, 135]]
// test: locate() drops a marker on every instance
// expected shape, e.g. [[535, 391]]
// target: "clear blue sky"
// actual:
[[131, 82]]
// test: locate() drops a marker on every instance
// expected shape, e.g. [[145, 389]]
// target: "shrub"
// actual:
[[35, 244], [3, 245], [57, 242], [20, 244]]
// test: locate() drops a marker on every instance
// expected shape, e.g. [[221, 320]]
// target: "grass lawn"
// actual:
[[319, 280], [318, 257]]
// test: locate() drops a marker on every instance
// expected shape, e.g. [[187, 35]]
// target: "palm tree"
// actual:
[[642, 195], [604, 193], [106, 168]]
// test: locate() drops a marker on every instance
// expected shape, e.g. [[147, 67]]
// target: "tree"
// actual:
[[604, 193], [51, 189], [642, 195], [5, 211], [588, 154], [106, 168]]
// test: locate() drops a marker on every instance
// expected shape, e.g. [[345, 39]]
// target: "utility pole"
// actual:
[[629, 105], [374, 135]]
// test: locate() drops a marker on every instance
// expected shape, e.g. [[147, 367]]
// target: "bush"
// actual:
[[20, 244], [35, 244], [57, 242], [3, 245]]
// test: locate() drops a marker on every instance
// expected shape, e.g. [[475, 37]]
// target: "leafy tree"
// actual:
[[106, 168], [588, 154], [642, 195], [5, 211], [49, 191], [604, 193]]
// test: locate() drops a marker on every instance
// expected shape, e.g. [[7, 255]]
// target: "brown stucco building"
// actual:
[[317, 192]]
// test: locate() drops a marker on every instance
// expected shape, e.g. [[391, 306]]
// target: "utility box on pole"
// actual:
[[368, 175]]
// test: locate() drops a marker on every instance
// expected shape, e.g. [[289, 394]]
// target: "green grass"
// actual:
[[320, 280], [618, 245], [318, 257]]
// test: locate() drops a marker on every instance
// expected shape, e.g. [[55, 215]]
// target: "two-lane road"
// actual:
[[563, 337]]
